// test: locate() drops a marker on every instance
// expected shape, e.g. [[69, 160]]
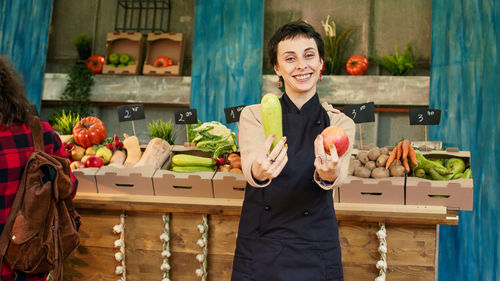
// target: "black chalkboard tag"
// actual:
[[130, 112], [233, 113], [360, 113], [187, 116], [424, 116]]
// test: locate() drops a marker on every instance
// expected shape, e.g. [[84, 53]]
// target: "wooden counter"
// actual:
[[411, 237]]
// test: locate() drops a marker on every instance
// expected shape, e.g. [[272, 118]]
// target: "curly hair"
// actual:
[[14, 105]]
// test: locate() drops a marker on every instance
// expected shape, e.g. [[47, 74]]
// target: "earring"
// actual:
[[279, 82], [321, 77]]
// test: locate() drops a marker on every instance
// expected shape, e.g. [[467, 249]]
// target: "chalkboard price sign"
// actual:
[[361, 113], [131, 112], [233, 113], [424, 116], [188, 116]]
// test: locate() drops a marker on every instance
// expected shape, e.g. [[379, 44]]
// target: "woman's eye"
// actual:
[[310, 55], [290, 59]]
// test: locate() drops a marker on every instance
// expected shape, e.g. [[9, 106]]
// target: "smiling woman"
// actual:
[[289, 194]]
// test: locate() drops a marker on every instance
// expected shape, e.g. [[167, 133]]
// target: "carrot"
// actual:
[[413, 156], [391, 157], [406, 147], [405, 164], [399, 150]]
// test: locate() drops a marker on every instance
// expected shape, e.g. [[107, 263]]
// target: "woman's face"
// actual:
[[299, 63]]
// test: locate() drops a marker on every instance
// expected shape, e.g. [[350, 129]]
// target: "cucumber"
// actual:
[[191, 160], [191, 169], [270, 111]]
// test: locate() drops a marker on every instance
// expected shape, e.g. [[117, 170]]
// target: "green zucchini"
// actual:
[[191, 169], [270, 111], [191, 160]]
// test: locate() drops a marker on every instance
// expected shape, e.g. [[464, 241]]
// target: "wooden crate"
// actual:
[[131, 43], [164, 44], [229, 185]]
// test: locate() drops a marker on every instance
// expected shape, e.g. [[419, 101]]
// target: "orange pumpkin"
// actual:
[[89, 131]]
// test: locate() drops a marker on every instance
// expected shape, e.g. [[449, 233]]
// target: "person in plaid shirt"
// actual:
[[16, 145]]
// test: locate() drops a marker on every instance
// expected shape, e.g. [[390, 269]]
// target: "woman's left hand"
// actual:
[[327, 166]]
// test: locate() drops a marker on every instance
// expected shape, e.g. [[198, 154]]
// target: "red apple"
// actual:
[[94, 161], [336, 136], [75, 165]]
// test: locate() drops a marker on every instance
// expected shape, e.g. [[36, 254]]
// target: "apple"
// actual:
[[77, 153], [335, 136], [94, 162], [124, 59], [84, 159], [75, 165], [90, 151], [105, 153], [132, 62], [120, 65], [114, 58]]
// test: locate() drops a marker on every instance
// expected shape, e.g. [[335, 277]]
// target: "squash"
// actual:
[[270, 112], [156, 153], [192, 169], [131, 144], [118, 158], [191, 160]]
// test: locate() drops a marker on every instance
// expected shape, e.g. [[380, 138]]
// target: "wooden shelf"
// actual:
[[217, 206]]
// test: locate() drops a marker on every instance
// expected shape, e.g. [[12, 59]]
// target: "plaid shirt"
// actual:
[[16, 145]]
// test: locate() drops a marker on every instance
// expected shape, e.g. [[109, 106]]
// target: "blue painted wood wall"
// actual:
[[465, 79], [24, 30], [227, 56]]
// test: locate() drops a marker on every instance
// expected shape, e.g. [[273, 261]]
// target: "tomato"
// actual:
[[89, 131], [95, 64], [163, 61], [357, 65]]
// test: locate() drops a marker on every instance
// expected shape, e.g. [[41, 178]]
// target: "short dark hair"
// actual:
[[14, 105], [292, 30]]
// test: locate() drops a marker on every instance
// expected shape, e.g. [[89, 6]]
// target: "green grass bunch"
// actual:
[[163, 130], [397, 65], [65, 122]]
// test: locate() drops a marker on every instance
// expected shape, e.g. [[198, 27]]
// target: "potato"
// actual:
[[362, 172], [380, 172], [384, 151], [363, 157], [374, 153], [397, 171], [396, 163], [353, 164], [381, 160], [370, 165]]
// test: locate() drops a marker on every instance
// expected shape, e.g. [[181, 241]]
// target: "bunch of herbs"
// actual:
[[163, 130], [397, 65]]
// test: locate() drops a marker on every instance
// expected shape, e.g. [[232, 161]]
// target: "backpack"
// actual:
[[42, 226]]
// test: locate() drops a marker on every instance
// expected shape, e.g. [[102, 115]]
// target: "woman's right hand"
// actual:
[[268, 165]]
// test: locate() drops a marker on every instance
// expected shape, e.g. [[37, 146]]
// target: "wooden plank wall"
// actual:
[[410, 248]]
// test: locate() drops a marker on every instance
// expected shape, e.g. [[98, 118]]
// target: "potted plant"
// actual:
[[335, 46], [163, 130], [397, 65]]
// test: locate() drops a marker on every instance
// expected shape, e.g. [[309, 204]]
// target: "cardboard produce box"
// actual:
[[164, 44], [117, 180], [372, 191], [168, 183], [86, 179], [229, 185], [131, 43], [457, 194]]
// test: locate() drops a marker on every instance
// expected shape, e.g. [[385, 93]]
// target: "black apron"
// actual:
[[288, 230]]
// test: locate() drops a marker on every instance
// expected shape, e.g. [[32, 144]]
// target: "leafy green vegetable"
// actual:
[[103, 143], [65, 122], [214, 137], [191, 132]]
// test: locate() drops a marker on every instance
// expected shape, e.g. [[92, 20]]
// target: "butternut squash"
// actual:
[[131, 144], [156, 153], [118, 158]]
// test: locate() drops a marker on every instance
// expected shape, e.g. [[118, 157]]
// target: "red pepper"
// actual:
[[95, 64]]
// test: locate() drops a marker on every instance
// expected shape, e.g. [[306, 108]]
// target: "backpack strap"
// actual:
[[36, 133]]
